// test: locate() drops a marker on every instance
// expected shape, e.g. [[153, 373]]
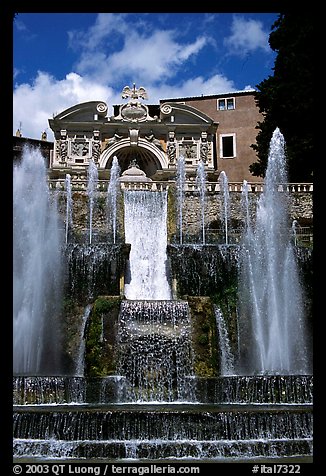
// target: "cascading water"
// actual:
[[227, 359], [180, 184], [92, 179], [80, 360], [69, 222], [37, 242], [201, 186], [145, 230], [225, 208], [155, 350], [112, 196], [272, 328]]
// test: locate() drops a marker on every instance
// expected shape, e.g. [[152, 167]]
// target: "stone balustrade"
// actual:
[[190, 186]]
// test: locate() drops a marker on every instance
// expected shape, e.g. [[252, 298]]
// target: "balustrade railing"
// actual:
[[190, 186]]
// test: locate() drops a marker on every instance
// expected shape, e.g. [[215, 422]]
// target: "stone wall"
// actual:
[[300, 209]]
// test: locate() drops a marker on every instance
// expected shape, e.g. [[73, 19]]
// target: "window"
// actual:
[[224, 104], [227, 146]]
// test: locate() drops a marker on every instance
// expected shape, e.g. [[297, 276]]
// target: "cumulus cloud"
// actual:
[[247, 35], [34, 104], [156, 55]]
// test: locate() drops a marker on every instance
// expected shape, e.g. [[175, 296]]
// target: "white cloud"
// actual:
[[246, 36], [139, 52], [34, 104]]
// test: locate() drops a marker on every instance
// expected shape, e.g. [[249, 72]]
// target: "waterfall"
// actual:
[[145, 230], [80, 359], [155, 350], [201, 186], [68, 205], [180, 183], [92, 178], [112, 195], [227, 359], [37, 269], [272, 329], [225, 208]]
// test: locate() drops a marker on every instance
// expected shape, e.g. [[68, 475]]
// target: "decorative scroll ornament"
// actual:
[[101, 107], [166, 109]]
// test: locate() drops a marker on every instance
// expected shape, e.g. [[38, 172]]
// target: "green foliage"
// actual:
[[286, 98]]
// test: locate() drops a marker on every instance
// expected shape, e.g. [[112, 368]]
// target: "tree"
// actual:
[[286, 98]]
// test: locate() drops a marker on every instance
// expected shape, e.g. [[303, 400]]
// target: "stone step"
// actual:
[[232, 389], [163, 422], [162, 450]]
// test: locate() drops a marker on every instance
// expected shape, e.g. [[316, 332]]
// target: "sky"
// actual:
[[62, 59]]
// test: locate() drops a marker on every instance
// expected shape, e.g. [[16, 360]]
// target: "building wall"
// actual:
[[240, 121]]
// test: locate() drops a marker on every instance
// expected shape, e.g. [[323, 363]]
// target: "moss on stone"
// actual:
[[101, 337], [203, 330]]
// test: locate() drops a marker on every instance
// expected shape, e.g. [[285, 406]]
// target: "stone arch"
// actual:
[[149, 157]]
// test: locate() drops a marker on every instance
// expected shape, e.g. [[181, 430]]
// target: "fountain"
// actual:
[[92, 179], [37, 268], [162, 377], [180, 184], [69, 222], [271, 295], [225, 212], [112, 195]]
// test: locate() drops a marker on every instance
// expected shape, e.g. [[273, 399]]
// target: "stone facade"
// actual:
[[237, 116]]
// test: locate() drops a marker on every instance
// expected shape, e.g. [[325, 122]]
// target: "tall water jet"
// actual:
[[112, 195], [37, 242], [225, 208], [180, 184], [92, 179], [294, 227], [273, 338], [201, 186], [146, 231], [69, 221], [245, 204]]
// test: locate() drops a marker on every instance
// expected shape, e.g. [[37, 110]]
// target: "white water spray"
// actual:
[[92, 179], [180, 184], [145, 230], [271, 295], [225, 207], [201, 186], [36, 267], [112, 195], [69, 221]]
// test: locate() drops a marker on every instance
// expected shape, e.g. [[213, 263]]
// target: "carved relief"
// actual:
[[188, 150], [204, 146], [151, 138], [62, 146], [171, 148]]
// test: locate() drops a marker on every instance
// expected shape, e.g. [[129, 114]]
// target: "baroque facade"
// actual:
[[154, 136]]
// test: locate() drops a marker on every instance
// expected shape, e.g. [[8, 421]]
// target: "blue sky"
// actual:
[[61, 59]]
